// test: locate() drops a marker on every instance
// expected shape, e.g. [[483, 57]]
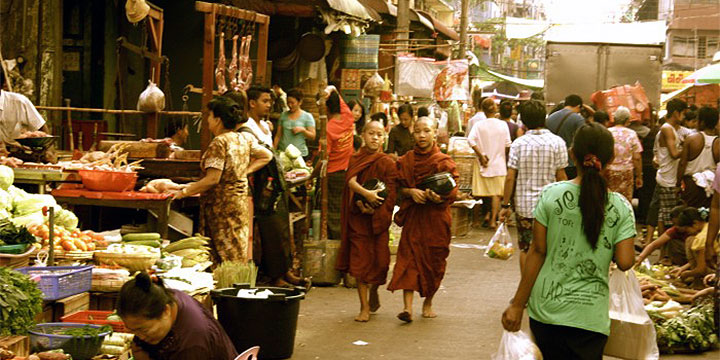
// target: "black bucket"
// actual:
[[269, 323]]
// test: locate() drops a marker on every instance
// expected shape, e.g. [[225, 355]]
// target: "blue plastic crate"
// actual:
[[58, 282]]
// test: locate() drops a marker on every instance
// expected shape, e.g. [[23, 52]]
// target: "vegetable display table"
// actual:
[[41, 177], [158, 203]]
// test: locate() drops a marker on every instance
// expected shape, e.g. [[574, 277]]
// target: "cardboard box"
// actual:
[[19, 345]]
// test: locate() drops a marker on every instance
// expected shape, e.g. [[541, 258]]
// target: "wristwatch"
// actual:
[[505, 206]]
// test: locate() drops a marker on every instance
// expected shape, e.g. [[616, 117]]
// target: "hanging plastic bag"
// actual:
[[500, 246], [517, 346], [632, 333], [152, 99], [374, 85]]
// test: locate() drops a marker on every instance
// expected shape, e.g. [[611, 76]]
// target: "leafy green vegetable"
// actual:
[[7, 177], [20, 302], [32, 204], [693, 329], [5, 201], [66, 219], [86, 331], [13, 235]]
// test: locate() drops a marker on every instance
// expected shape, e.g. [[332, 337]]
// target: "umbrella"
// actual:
[[707, 75]]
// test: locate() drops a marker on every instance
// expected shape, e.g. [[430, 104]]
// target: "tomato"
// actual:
[[68, 246], [80, 245]]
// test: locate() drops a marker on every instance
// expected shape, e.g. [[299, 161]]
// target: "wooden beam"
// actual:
[[262, 49], [225, 10], [144, 52], [208, 73]]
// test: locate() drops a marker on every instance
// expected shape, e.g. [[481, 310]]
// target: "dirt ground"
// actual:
[[474, 294]]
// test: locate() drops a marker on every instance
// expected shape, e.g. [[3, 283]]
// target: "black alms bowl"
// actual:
[[440, 183], [372, 184]]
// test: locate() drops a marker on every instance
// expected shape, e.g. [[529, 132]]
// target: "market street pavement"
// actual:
[[474, 294]]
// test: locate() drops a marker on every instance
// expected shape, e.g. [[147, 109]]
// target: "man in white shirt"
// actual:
[[259, 104], [490, 139], [17, 116]]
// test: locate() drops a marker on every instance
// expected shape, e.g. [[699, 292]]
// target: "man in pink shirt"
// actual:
[[490, 139]]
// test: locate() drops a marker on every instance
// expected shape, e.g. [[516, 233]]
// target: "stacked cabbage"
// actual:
[[25, 209], [291, 159]]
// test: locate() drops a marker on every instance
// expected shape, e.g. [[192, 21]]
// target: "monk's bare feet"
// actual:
[[374, 300], [427, 311], [281, 283], [364, 315], [405, 316]]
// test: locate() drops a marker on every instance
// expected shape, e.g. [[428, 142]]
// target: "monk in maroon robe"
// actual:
[[364, 251], [425, 218]]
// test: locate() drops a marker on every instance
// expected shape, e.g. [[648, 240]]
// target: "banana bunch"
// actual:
[[193, 250]]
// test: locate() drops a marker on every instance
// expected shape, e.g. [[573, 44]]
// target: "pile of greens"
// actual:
[[20, 301], [14, 235], [86, 331], [693, 329]]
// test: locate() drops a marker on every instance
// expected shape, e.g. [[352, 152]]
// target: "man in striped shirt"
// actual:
[[536, 159]]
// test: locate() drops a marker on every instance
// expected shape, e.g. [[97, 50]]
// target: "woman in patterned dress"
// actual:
[[228, 160], [627, 157]]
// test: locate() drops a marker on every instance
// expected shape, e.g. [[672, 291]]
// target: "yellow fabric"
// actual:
[[486, 186], [700, 240]]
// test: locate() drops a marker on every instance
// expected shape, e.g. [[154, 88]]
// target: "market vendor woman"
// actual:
[[169, 324], [224, 206]]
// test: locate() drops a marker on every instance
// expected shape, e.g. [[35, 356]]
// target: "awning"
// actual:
[[354, 8], [383, 7], [639, 33], [528, 83], [416, 16], [664, 98], [441, 28]]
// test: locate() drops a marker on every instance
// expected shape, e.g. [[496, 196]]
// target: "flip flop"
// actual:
[[405, 316]]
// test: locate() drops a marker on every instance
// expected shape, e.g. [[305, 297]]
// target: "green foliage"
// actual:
[[20, 302]]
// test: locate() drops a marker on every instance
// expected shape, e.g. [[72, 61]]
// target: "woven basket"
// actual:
[[133, 262], [464, 166], [16, 261]]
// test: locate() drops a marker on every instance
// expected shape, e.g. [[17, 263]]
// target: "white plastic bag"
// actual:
[[152, 99], [517, 346], [632, 333], [500, 246]]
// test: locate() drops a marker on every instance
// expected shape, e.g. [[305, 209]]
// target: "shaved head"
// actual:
[[429, 121]]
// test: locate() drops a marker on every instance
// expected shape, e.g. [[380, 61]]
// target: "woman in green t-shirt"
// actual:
[[295, 126], [579, 229]]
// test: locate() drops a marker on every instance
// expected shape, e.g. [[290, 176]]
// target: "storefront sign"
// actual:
[[672, 80]]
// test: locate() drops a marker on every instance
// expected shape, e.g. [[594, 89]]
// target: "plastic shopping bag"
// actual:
[[500, 246], [632, 333], [517, 346], [152, 99]]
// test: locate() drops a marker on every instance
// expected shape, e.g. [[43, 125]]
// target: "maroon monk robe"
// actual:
[[364, 250], [425, 242]]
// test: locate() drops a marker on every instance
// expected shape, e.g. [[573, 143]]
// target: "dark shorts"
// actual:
[[525, 232], [653, 209], [667, 199], [564, 342]]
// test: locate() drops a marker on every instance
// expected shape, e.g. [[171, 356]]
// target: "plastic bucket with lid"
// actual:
[[269, 323]]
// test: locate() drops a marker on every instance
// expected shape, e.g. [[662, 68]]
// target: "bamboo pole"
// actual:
[[113, 111]]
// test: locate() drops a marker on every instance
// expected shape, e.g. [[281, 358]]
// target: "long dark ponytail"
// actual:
[[593, 147]]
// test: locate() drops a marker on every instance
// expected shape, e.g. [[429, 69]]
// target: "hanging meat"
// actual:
[[233, 68], [220, 70], [246, 72]]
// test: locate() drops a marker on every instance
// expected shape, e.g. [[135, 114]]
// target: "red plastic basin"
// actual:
[[100, 180]]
